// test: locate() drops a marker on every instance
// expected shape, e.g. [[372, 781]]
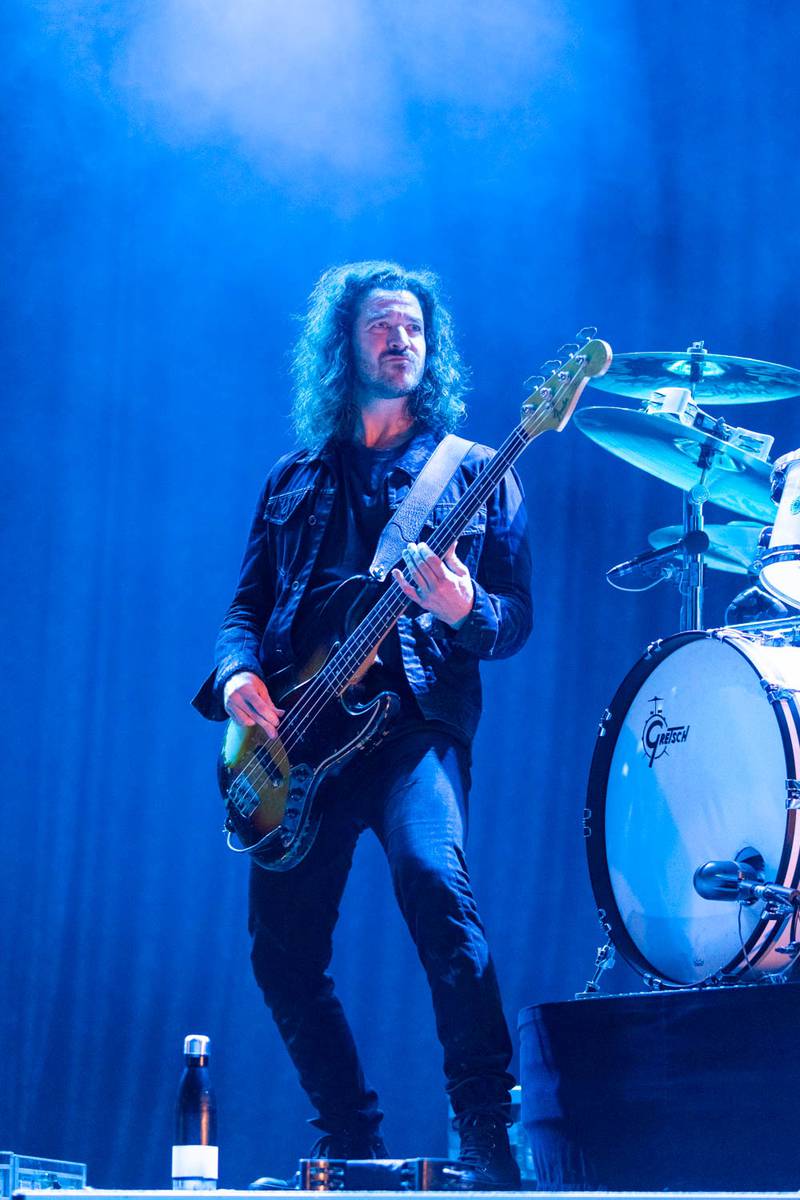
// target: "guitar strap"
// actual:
[[406, 523]]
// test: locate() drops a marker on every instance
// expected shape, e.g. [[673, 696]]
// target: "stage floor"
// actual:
[[230, 1194]]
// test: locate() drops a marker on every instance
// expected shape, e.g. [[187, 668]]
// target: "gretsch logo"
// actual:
[[658, 736]]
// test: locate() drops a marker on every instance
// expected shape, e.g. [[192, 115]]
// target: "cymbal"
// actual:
[[725, 380], [732, 547], [671, 451]]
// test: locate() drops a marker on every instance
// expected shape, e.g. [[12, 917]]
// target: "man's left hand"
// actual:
[[443, 586]]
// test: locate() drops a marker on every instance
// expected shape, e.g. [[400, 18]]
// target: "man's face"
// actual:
[[388, 344]]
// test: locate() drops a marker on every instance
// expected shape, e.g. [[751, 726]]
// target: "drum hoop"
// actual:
[[788, 553], [757, 945], [769, 932]]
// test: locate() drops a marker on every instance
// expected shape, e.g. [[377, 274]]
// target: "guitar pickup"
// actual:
[[243, 797]]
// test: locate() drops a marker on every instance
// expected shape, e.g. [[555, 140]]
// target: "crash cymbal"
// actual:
[[672, 451], [723, 379], [732, 547]]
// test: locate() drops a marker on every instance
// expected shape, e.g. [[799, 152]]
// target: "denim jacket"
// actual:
[[441, 663]]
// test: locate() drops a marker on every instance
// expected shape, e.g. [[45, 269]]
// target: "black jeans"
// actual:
[[412, 791]]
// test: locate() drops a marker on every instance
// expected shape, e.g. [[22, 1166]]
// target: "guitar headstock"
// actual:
[[553, 402]]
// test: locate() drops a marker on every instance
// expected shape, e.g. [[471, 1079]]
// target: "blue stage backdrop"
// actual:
[[177, 176]]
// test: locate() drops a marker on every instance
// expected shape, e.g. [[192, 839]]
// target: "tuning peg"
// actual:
[[551, 365], [586, 334], [568, 349], [534, 381]]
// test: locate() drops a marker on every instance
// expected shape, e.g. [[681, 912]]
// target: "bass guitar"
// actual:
[[270, 785]]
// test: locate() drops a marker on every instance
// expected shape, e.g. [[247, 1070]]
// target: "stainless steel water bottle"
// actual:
[[195, 1154]]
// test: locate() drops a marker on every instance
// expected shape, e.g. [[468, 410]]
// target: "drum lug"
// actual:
[[606, 717], [587, 822], [653, 649], [776, 693], [793, 793]]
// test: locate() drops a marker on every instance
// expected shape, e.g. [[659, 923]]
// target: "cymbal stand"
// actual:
[[691, 581]]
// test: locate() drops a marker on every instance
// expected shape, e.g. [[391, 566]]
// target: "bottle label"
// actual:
[[195, 1167]]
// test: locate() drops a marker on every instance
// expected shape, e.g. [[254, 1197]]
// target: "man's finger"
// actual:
[[262, 707], [258, 699], [432, 561], [406, 587], [452, 560], [259, 690], [253, 718], [239, 714], [418, 567]]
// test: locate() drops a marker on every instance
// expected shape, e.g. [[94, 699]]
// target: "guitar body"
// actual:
[[271, 786]]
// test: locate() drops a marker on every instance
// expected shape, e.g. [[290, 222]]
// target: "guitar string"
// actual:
[[316, 700], [332, 679]]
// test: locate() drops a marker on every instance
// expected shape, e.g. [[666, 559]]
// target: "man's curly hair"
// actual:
[[324, 402]]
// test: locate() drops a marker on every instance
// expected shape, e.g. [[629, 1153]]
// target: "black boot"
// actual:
[[361, 1145], [485, 1152]]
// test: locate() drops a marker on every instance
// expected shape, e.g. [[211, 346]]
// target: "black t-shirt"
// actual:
[[360, 511]]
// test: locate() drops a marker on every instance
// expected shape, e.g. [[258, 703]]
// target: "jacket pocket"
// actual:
[[476, 526], [282, 507]]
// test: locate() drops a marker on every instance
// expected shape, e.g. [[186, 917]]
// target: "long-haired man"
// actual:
[[378, 382]]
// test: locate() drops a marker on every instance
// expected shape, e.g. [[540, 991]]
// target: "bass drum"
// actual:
[[697, 759]]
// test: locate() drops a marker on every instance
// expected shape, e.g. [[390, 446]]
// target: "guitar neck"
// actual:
[[364, 639]]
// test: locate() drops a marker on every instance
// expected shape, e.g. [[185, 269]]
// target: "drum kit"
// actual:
[[693, 813]]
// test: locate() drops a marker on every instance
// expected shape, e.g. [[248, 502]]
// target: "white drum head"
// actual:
[[698, 772]]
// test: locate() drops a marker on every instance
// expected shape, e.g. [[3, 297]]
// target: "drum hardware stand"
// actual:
[[690, 579], [604, 960], [711, 439], [691, 582], [680, 403]]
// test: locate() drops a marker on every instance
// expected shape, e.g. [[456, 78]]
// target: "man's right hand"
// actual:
[[247, 700]]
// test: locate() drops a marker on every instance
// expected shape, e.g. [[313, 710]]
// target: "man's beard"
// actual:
[[387, 389]]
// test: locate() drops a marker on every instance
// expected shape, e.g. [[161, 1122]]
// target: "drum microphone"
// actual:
[[694, 542], [726, 879]]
